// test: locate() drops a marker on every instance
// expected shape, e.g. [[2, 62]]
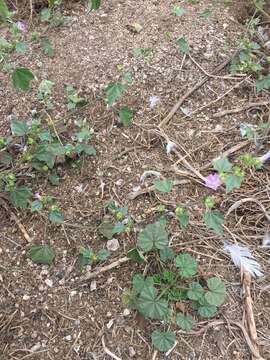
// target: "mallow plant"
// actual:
[[174, 278]]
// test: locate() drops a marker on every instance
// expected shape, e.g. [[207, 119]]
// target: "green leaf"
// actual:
[[107, 230], [19, 196], [222, 165], [139, 282], [103, 254], [136, 255], [178, 11], [43, 153], [45, 14], [36, 206], [164, 186], [150, 305], [195, 291], [95, 4], [214, 220], [4, 12], [45, 135], [83, 261], [153, 236], [216, 294], [233, 182], [263, 82], [47, 47], [205, 309], [54, 179], [176, 294], [56, 217], [186, 323], [19, 128], [86, 256], [206, 13], [126, 116], [113, 92], [187, 264], [21, 47], [21, 78], [118, 228], [182, 216], [128, 78], [166, 254], [45, 89], [183, 45], [41, 254], [85, 252], [84, 148], [163, 341], [83, 135], [48, 152], [5, 158]]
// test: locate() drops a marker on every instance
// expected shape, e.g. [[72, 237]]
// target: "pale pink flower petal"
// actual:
[[21, 26], [213, 181], [265, 157]]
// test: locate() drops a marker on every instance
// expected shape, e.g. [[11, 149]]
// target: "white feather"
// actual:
[[148, 173], [242, 258], [154, 100], [266, 240], [169, 147]]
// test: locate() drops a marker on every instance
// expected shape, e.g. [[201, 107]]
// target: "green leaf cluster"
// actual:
[[231, 176], [87, 256]]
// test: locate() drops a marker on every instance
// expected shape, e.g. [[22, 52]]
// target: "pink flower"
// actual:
[[37, 196], [213, 181], [21, 26], [265, 157]]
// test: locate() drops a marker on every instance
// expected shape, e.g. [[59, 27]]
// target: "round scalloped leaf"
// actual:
[[185, 322], [163, 341], [195, 291], [153, 236], [187, 264], [150, 305], [216, 294]]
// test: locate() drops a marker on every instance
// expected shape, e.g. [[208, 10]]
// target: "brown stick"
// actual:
[[21, 227], [227, 153], [249, 312], [132, 195], [250, 199], [192, 90], [253, 350], [240, 109], [101, 270], [195, 172]]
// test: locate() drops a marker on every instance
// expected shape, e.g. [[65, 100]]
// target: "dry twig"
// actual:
[[228, 152], [240, 109], [134, 194], [108, 352], [246, 280], [21, 227], [243, 201], [253, 350], [192, 90], [101, 270]]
